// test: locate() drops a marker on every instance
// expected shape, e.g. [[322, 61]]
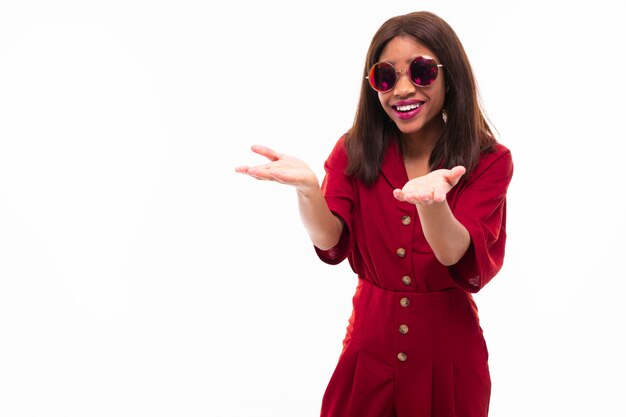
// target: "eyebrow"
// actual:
[[409, 60]]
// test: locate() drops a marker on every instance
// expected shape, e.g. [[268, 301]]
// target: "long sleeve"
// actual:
[[480, 205], [338, 191]]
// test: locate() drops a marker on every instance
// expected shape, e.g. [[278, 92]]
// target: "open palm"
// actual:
[[282, 168]]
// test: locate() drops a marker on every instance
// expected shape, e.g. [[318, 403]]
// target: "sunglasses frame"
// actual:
[[398, 72]]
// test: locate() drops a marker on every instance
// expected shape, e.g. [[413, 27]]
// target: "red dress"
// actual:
[[414, 346]]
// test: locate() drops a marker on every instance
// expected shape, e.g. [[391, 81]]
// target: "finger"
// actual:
[[418, 196], [266, 152], [269, 173], [398, 194], [260, 171], [251, 172]]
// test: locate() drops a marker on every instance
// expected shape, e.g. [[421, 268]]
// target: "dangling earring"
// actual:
[[444, 115]]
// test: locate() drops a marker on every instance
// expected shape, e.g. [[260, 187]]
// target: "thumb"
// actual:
[[455, 174], [266, 152]]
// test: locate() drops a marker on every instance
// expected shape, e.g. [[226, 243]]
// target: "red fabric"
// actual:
[[445, 373]]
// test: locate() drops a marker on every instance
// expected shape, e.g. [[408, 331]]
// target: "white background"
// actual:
[[141, 276]]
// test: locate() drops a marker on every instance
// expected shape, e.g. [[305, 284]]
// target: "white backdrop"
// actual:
[[140, 275]]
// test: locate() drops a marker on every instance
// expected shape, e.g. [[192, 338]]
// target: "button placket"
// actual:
[[406, 220], [402, 312], [403, 252], [403, 317]]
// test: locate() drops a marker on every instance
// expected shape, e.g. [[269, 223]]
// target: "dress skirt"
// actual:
[[410, 354]]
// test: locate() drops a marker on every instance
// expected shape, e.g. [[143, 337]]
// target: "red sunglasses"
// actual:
[[422, 71]]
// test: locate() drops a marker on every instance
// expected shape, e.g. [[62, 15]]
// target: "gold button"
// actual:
[[406, 220], [404, 329], [404, 302], [406, 280], [401, 252], [402, 357]]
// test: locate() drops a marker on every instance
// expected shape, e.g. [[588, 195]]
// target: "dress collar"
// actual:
[[393, 169]]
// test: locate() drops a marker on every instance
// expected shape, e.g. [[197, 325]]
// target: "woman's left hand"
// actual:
[[430, 188]]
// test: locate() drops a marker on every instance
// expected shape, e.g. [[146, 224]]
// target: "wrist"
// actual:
[[432, 206], [309, 190]]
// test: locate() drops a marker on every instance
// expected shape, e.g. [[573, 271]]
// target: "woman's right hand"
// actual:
[[282, 168], [323, 226]]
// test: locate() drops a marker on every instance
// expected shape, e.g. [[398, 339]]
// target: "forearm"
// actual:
[[447, 237], [323, 226]]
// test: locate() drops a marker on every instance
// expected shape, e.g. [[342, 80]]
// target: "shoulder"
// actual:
[[340, 145], [338, 156], [497, 152], [499, 155], [496, 162]]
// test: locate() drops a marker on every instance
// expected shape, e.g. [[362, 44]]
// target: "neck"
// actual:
[[420, 144]]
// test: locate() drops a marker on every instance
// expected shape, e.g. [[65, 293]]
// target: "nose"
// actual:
[[404, 87]]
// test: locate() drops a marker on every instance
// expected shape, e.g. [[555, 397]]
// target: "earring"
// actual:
[[444, 115]]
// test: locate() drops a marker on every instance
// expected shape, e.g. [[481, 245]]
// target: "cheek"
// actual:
[[437, 91], [439, 98], [382, 99]]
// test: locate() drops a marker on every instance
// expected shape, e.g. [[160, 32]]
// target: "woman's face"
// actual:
[[415, 110]]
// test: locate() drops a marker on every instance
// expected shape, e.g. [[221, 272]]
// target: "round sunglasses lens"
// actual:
[[382, 77], [424, 71]]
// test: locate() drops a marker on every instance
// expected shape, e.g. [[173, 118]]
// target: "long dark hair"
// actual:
[[466, 134]]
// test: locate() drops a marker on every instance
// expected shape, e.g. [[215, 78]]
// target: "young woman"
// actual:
[[414, 197]]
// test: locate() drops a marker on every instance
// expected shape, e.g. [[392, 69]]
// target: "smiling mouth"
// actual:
[[407, 107]]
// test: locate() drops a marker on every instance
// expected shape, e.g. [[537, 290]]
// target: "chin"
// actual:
[[417, 126], [408, 129]]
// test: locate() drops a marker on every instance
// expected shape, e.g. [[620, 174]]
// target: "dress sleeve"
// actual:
[[481, 207], [338, 191]]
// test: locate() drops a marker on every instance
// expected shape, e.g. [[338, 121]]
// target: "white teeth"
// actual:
[[408, 107]]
